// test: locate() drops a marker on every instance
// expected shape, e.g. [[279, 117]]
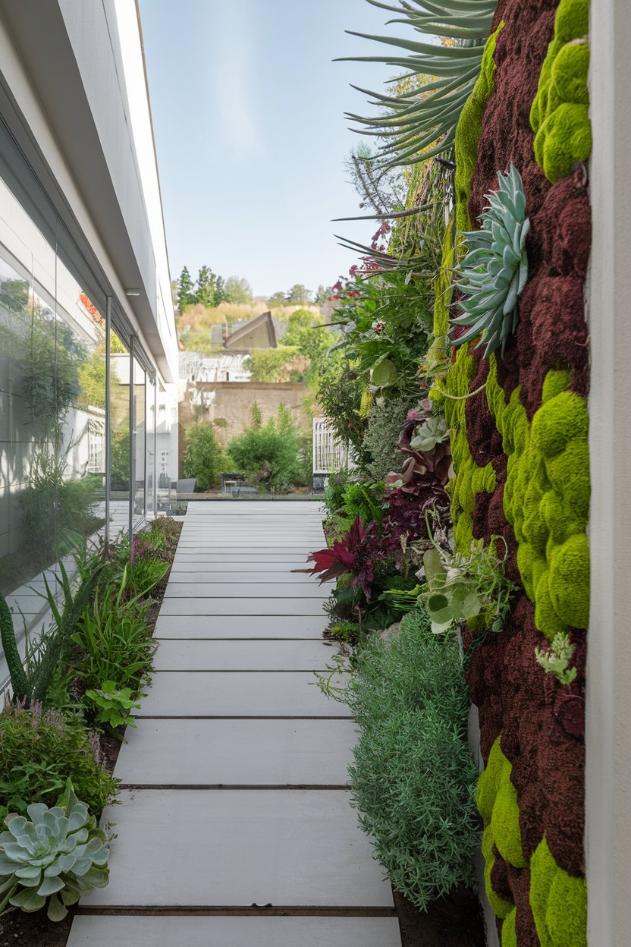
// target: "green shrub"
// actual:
[[413, 776], [204, 457], [380, 444], [271, 454], [39, 750]]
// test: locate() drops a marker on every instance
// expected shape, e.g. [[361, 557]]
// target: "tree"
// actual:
[[299, 295], [204, 457], [298, 321], [220, 291], [278, 299], [238, 290], [323, 294], [206, 287], [185, 293]]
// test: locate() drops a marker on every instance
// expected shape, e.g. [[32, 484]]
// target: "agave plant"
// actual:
[[421, 122], [57, 856], [493, 273]]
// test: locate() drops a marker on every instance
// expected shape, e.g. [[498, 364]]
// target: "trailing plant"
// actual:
[[420, 119], [460, 588], [413, 776], [39, 750], [113, 705], [556, 658], [54, 857], [494, 270]]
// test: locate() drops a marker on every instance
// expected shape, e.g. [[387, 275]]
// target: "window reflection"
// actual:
[[52, 400], [151, 446], [140, 428], [120, 435]]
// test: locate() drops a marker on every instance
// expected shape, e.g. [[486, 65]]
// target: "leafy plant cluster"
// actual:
[[79, 685]]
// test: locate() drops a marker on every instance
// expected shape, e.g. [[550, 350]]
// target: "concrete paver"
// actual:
[[250, 655], [237, 752], [230, 847], [235, 778], [235, 932]]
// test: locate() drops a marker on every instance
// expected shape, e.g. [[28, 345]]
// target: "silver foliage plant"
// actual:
[[494, 271], [420, 122], [55, 855]]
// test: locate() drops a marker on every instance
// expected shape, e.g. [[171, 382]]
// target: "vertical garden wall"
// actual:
[[469, 503], [521, 466]]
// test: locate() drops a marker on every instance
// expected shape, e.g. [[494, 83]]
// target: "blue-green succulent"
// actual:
[[494, 270], [54, 856]]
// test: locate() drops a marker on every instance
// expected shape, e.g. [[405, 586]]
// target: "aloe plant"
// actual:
[[421, 122], [54, 856], [494, 271]]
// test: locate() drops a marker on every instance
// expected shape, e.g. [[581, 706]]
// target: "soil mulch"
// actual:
[[453, 921]]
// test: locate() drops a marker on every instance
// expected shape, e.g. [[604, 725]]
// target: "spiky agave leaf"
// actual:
[[421, 123], [494, 270]]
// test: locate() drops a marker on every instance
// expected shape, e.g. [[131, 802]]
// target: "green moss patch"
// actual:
[[546, 498], [559, 115], [558, 901]]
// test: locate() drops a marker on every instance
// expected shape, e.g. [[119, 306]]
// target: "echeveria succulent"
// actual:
[[494, 270], [54, 856]]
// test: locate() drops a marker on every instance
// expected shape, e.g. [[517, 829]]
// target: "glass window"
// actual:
[[151, 446], [140, 430], [120, 435], [52, 411]]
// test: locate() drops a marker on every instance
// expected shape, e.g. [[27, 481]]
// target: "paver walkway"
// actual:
[[235, 828]]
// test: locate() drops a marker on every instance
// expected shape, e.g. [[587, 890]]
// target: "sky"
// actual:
[[248, 112]]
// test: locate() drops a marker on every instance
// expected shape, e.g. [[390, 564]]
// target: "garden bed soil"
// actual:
[[453, 921], [18, 929]]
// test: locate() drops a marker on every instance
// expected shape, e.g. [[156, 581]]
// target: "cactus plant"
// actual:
[[494, 270], [55, 857]]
